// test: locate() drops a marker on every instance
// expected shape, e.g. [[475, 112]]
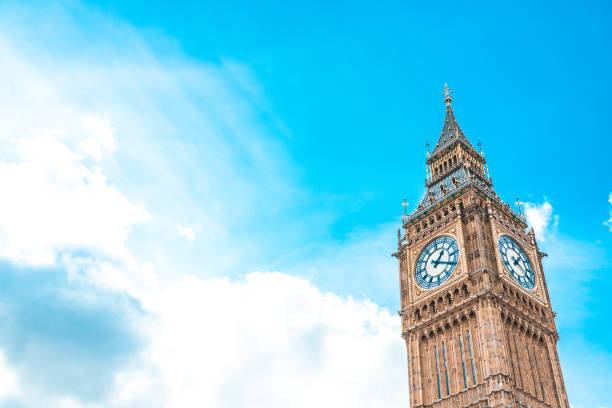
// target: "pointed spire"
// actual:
[[451, 130]]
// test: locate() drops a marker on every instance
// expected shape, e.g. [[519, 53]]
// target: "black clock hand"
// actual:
[[516, 263], [437, 261], [516, 260], [447, 262]]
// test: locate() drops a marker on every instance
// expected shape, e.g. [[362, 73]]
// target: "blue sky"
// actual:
[[200, 199]]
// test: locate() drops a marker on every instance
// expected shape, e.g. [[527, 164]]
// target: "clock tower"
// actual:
[[476, 315]]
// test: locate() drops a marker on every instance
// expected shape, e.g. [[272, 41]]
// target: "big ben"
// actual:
[[476, 314]]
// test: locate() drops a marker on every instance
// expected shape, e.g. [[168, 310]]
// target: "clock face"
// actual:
[[516, 262], [437, 262]]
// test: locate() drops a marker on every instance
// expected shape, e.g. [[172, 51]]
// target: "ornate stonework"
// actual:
[[481, 338]]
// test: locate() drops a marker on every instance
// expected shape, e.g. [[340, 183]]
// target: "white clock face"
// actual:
[[437, 262], [516, 262]]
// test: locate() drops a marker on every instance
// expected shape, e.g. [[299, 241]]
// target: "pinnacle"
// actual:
[[451, 131]]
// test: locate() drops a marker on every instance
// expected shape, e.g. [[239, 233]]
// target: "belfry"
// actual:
[[476, 315]]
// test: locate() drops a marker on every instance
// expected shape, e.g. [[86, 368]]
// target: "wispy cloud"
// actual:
[[540, 217], [133, 141], [187, 232], [9, 382], [102, 151], [360, 264], [609, 222], [54, 201]]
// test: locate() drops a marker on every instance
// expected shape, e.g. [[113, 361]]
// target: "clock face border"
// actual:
[[521, 275], [422, 263]]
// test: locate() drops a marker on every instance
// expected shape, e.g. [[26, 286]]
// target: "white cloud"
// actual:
[[101, 138], [540, 218], [179, 136], [70, 402], [9, 382], [187, 232], [87, 141], [54, 202], [609, 222], [175, 134], [273, 340], [57, 196]]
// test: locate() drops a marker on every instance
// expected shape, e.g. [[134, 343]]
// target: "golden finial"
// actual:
[[518, 203], [446, 93], [405, 204], [405, 216]]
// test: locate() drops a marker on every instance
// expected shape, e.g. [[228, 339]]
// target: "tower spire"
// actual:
[[451, 131]]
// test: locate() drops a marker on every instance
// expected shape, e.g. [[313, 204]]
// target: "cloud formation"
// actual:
[[271, 340], [99, 159], [54, 202], [609, 222], [360, 265], [187, 232], [540, 218], [9, 382]]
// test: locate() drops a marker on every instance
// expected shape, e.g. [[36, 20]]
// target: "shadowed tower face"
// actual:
[[476, 315]]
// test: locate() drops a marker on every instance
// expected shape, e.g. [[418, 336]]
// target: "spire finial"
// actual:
[[518, 203], [405, 215], [446, 93]]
